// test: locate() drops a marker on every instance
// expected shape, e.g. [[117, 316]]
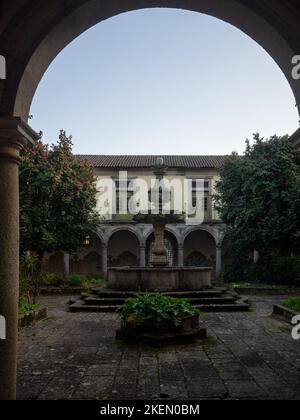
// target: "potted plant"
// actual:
[[158, 318]]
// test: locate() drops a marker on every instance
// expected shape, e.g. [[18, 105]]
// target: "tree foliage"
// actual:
[[258, 197], [57, 198]]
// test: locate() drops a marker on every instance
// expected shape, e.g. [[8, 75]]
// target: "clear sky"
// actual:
[[163, 81]]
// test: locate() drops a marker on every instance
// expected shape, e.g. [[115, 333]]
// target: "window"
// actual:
[[123, 190], [87, 241], [206, 184]]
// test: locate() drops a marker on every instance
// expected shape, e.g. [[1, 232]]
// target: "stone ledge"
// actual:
[[285, 313], [266, 291], [70, 291], [153, 279]]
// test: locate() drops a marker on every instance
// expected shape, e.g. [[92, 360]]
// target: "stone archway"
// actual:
[[32, 33], [171, 244], [123, 249], [275, 27], [200, 250], [88, 262]]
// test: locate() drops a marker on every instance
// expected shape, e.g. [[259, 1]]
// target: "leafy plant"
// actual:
[[26, 307], [96, 281], [76, 280], [258, 197], [57, 198], [156, 308], [292, 303], [49, 279], [281, 271], [31, 278]]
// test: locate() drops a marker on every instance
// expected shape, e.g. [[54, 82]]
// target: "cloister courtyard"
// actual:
[[64, 217], [76, 356]]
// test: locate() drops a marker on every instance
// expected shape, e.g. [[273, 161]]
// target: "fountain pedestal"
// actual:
[[160, 253], [159, 277]]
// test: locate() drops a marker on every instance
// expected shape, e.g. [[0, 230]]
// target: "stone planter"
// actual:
[[32, 316], [163, 333]]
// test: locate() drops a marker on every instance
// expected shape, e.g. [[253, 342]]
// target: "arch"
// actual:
[[275, 27], [200, 228], [169, 230], [123, 248], [130, 229], [88, 265], [171, 243], [199, 248]]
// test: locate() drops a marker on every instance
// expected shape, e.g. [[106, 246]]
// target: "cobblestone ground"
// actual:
[[75, 356]]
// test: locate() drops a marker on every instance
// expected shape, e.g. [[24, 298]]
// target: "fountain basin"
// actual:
[[169, 279]]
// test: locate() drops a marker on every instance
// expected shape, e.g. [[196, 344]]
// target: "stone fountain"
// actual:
[[160, 276]]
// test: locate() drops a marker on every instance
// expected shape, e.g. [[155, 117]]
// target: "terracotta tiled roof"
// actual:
[[133, 162]]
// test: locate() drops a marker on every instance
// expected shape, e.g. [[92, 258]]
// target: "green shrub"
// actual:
[[292, 303], [283, 271], [96, 281], [25, 307], [76, 280], [31, 279], [96, 277], [49, 279], [156, 308]]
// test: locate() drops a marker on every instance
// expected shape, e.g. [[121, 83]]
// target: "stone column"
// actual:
[[66, 264], [142, 256], [180, 257], [104, 262], [256, 257], [218, 261], [14, 135]]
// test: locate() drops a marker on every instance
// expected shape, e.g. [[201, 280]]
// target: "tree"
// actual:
[[57, 198], [258, 197]]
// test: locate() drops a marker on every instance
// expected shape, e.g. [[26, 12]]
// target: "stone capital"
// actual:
[[15, 134]]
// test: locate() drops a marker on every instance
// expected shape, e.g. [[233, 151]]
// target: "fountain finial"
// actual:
[[160, 161]]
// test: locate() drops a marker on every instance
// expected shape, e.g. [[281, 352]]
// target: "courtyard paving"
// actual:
[[75, 356]]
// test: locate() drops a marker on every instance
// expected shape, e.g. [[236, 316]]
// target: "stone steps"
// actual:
[[236, 307], [214, 300], [111, 294], [193, 301]]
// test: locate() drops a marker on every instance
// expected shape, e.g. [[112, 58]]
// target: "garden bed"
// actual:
[[25, 320], [73, 284], [285, 313], [260, 289], [288, 309]]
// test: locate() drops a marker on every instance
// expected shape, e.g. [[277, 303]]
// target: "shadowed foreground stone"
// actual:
[[75, 356]]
